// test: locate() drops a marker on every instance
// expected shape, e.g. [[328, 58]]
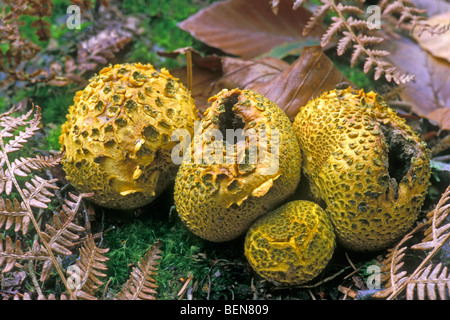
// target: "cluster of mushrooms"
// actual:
[[133, 131]]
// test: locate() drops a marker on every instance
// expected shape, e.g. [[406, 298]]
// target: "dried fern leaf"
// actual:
[[11, 253], [334, 28], [436, 235], [64, 232], [37, 193], [141, 284], [23, 166], [429, 283], [14, 213], [350, 25], [10, 124], [344, 43], [62, 235], [393, 264], [318, 16], [51, 296], [34, 193], [91, 264]]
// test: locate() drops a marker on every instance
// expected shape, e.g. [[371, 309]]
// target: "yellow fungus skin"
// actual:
[[366, 164], [292, 244], [116, 142], [218, 200]]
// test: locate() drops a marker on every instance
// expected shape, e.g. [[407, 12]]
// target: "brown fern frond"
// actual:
[[435, 236], [358, 51], [21, 50], [29, 296], [334, 28], [91, 264], [10, 124], [62, 234], [318, 16], [369, 40], [141, 284], [393, 275], [406, 16], [11, 253], [356, 24], [23, 166], [37, 193], [344, 43], [351, 27], [349, 9], [14, 213], [428, 282]]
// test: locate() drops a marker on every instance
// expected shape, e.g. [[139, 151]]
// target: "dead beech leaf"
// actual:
[[212, 73], [429, 90], [211, 62], [289, 86], [249, 28], [309, 76], [433, 7], [437, 45], [203, 84], [442, 117], [248, 73]]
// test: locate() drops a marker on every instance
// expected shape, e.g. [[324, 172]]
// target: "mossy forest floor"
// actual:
[[189, 268]]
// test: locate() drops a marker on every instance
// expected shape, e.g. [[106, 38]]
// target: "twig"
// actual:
[[182, 291], [34, 279], [189, 69]]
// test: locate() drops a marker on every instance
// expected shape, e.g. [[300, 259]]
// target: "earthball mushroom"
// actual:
[[368, 167], [292, 244], [243, 161], [117, 142]]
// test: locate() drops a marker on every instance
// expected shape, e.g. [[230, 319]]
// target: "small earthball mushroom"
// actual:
[[292, 244]]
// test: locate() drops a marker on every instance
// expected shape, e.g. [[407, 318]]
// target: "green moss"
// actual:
[[217, 271], [160, 19]]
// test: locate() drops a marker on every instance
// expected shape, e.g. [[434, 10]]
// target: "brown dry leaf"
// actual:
[[211, 62], [206, 71], [308, 77], [289, 86], [429, 90], [249, 73], [203, 83], [442, 117], [249, 28], [433, 7], [437, 45]]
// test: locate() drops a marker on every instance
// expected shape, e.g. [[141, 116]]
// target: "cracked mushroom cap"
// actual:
[[224, 183], [370, 169], [292, 244], [117, 138]]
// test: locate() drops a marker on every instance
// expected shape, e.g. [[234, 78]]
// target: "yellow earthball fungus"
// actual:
[[221, 188], [117, 138], [292, 244], [368, 167]]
